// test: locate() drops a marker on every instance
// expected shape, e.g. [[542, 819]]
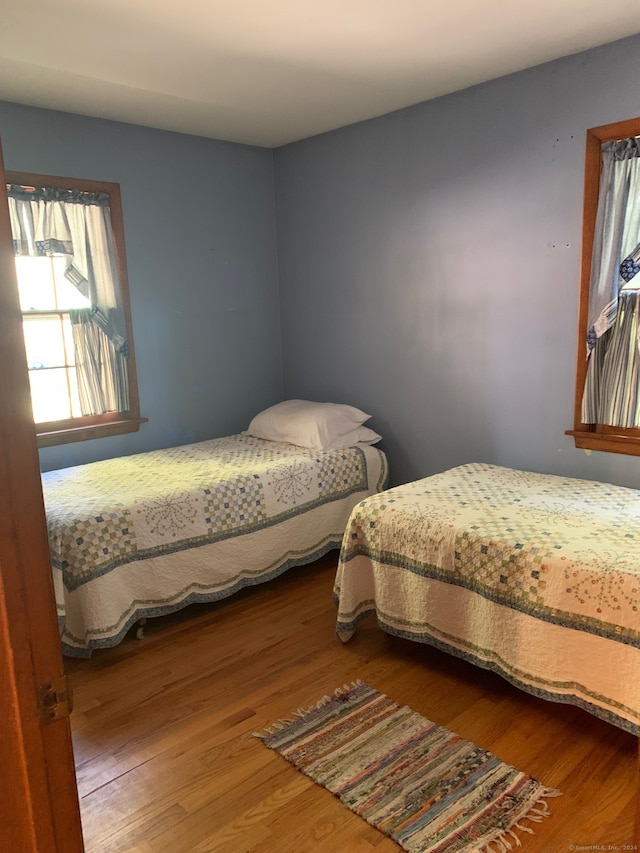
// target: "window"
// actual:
[[69, 250], [607, 399]]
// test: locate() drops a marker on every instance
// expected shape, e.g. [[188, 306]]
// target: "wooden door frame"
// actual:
[[39, 810]]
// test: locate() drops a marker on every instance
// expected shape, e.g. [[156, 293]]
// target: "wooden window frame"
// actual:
[[112, 423], [596, 436]]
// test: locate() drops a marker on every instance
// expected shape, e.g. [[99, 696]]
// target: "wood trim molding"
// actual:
[[116, 423], [613, 440], [69, 434], [608, 442]]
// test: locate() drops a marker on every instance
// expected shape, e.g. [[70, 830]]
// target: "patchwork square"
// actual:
[[105, 539], [234, 505], [339, 472]]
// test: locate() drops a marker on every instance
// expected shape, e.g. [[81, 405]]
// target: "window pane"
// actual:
[[49, 394], [44, 341], [68, 294], [76, 411], [67, 331], [35, 284]]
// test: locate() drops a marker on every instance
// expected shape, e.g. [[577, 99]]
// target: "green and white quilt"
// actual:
[[148, 534], [534, 576]]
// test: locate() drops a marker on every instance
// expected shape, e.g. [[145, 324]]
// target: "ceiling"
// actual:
[[268, 72]]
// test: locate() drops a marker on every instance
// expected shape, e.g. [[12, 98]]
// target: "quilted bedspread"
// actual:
[[535, 576], [145, 534]]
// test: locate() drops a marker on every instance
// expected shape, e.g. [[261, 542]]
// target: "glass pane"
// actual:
[[35, 284], [67, 331], [49, 394], [43, 340], [68, 294], [76, 411]]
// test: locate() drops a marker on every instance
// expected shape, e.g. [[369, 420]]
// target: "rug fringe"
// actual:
[[284, 722], [536, 814], [503, 843], [339, 692], [278, 726]]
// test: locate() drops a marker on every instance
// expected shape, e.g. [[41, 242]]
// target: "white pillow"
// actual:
[[319, 426], [360, 435]]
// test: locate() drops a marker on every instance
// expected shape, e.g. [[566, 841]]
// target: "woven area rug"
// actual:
[[420, 784]]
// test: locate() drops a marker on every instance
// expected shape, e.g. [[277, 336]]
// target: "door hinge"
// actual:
[[55, 699]]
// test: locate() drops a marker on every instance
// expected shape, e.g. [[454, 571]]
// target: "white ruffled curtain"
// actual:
[[610, 395], [49, 221], [101, 371]]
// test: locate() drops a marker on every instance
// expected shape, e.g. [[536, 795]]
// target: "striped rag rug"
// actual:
[[417, 782]]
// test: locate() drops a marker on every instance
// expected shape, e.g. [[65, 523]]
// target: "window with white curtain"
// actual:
[[68, 242], [607, 397]]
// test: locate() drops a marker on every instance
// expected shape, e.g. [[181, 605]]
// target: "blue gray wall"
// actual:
[[200, 239], [429, 267]]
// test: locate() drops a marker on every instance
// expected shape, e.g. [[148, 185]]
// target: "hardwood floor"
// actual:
[[166, 762]]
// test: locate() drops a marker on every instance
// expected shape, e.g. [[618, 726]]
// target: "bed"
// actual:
[[148, 534], [533, 576]]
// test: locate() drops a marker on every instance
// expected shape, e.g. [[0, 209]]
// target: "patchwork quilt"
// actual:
[[146, 534], [534, 576]]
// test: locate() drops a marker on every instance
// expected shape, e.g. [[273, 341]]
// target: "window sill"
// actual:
[[609, 442], [49, 438]]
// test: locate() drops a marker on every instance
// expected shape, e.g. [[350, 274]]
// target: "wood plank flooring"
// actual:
[[166, 762]]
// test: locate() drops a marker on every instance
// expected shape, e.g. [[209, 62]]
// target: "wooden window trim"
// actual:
[[85, 432], [596, 436], [112, 423]]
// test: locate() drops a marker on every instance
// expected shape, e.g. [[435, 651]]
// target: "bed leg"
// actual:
[[142, 621]]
